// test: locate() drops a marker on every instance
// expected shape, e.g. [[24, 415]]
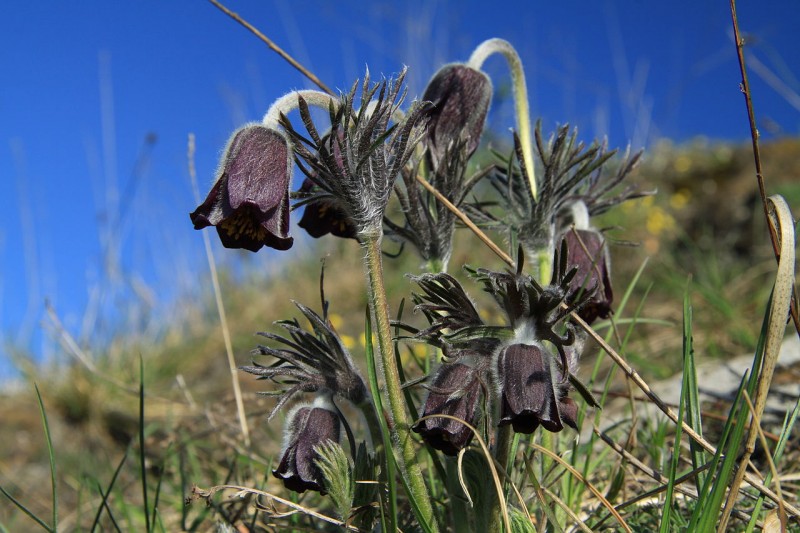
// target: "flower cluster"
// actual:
[[522, 369], [376, 168]]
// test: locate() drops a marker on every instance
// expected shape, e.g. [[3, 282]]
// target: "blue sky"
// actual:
[[97, 99]]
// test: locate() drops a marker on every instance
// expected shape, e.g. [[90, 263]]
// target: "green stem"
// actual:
[[502, 450], [399, 423], [500, 46], [544, 263]]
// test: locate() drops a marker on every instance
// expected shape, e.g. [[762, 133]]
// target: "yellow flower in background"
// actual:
[[659, 221], [419, 350], [336, 320], [348, 341], [680, 199]]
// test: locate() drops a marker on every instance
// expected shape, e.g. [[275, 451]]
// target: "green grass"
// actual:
[[121, 446]]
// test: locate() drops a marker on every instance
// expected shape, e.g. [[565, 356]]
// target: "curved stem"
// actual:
[[288, 102], [476, 60], [399, 423]]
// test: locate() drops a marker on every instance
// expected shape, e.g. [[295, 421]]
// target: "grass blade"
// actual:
[[692, 397], [142, 466], [732, 438], [688, 370], [158, 492], [25, 510], [51, 456], [104, 495], [786, 432]]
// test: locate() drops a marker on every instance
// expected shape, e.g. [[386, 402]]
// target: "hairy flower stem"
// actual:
[[503, 47], [502, 451], [399, 423], [289, 102]]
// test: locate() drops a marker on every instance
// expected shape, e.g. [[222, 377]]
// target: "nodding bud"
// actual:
[[307, 427], [249, 202], [587, 251], [460, 96], [455, 391]]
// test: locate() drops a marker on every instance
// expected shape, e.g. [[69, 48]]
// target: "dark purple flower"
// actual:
[[455, 391], [586, 251], [325, 215], [569, 411], [460, 96], [249, 202], [531, 390], [307, 427]]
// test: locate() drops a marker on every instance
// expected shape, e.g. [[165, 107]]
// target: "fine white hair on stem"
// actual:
[[500, 46], [289, 102]]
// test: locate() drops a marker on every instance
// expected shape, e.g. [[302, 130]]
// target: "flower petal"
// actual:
[[455, 391], [461, 96], [586, 250], [308, 427], [323, 216], [528, 396]]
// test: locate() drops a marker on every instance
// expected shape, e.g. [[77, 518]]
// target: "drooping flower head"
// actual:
[[307, 427], [323, 215], [455, 390], [358, 168], [460, 96], [531, 360], [249, 202], [459, 386], [588, 253], [533, 383], [570, 172], [534, 389]]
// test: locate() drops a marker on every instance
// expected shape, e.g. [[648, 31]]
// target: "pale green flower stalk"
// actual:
[[289, 102], [401, 423], [484, 50], [476, 60]]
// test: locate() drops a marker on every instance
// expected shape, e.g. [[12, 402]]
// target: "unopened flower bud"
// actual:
[[460, 96]]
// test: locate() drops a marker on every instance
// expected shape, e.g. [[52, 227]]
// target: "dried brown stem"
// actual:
[[744, 86], [274, 47]]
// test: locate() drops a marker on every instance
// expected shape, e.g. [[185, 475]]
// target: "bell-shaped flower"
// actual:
[[455, 391], [249, 202], [587, 251], [324, 215], [308, 426], [460, 96], [532, 390]]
